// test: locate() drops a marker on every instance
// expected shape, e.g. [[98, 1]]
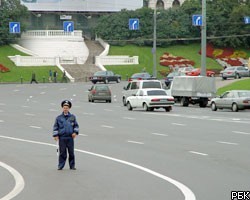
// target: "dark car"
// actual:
[[105, 77], [99, 92], [141, 76], [169, 78]]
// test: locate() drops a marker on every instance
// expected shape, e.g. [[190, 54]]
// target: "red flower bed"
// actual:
[[223, 52], [232, 61], [3, 68], [175, 61]]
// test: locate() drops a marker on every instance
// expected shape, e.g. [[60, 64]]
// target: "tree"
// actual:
[[11, 11]]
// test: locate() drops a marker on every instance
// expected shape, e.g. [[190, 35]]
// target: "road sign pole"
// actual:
[[203, 39], [154, 45]]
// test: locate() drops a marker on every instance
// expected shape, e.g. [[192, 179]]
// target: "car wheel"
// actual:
[[184, 101], [124, 101], [89, 100], [129, 106], [167, 109], [224, 78], [213, 106], [110, 101], [106, 81], [118, 80], [235, 107], [145, 107]]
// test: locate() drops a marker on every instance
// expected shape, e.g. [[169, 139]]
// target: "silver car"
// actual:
[[99, 92], [235, 72], [234, 99]]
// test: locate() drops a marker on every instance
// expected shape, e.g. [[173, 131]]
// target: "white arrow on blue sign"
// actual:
[[247, 20], [134, 24], [197, 20], [14, 27], [68, 26]]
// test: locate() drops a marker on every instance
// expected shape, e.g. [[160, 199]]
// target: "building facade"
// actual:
[[164, 4]]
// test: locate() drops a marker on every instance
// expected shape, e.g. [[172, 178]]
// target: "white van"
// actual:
[[133, 87]]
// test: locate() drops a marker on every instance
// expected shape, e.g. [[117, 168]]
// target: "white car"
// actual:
[[150, 99]]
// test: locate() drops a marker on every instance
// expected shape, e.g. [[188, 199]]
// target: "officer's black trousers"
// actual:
[[64, 145]]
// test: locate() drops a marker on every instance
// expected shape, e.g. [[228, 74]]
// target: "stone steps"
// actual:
[[82, 72]]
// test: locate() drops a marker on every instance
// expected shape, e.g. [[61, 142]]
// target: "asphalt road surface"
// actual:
[[186, 154]]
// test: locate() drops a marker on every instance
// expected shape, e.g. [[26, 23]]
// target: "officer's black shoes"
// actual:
[[59, 168], [72, 168]]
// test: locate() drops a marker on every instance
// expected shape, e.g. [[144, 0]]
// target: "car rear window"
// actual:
[[156, 92], [244, 94], [100, 73], [99, 88], [151, 85]]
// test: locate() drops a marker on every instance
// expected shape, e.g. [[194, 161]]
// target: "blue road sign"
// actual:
[[14, 27], [134, 24], [247, 20], [68, 26], [197, 20]]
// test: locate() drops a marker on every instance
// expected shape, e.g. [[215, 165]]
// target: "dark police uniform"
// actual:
[[64, 127]]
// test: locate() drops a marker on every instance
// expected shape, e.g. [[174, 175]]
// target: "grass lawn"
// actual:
[[146, 58], [15, 74], [239, 85]]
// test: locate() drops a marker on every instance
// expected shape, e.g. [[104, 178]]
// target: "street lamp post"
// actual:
[[203, 39], [154, 44]]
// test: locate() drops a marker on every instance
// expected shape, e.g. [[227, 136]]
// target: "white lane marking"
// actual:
[[43, 93], [85, 113], [177, 124], [53, 110], [236, 119], [84, 135], [230, 143], [105, 126], [25, 106], [129, 118], [134, 142], [159, 134], [108, 110], [19, 185], [29, 114], [230, 120], [198, 153], [16, 90], [36, 127], [1, 121], [243, 133], [188, 194]]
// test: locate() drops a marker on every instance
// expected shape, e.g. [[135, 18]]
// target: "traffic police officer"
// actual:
[[65, 130]]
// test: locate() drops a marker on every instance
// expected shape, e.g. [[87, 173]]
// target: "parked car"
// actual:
[[234, 99], [135, 85], [99, 92], [150, 99], [234, 72], [141, 76], [105, 77], [197, 72], [186, 69], [169, 78]]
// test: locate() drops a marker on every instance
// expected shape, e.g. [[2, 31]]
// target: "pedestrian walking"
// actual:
[[33, 78], [55, 76], [50, 75], [64, 77], [65, 130]]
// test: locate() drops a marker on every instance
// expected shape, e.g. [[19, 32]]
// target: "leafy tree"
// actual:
[[225, 25], [10, 11]]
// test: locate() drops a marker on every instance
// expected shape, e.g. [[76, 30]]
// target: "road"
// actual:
[[189, 153]]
